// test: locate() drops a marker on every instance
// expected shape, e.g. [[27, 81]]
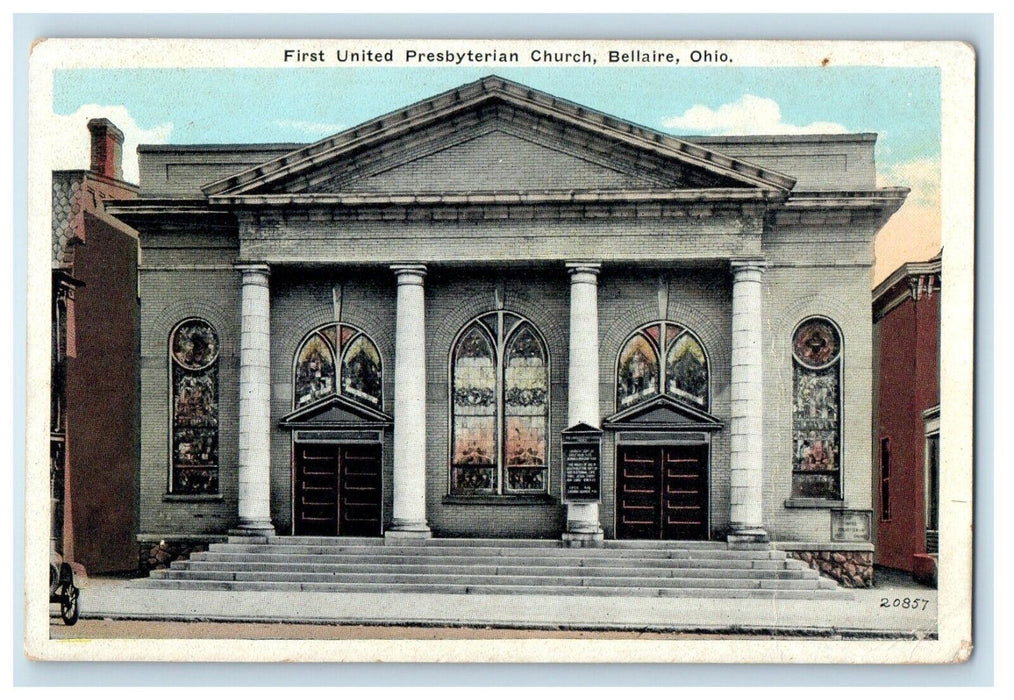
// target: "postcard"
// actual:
[[481, 351]]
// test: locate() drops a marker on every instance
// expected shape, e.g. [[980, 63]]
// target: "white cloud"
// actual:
[[320, 129], [747, 115], [69, 141], [914, 232], [922, 175]]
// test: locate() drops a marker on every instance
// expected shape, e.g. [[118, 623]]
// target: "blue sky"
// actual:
[[265, 105]]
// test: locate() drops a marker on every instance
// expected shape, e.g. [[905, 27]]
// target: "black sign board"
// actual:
[[581, 464]]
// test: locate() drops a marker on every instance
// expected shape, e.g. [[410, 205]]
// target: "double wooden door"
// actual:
[[662, 492], [337, 490]]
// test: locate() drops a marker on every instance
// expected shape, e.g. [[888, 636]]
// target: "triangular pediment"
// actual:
[[336, 411], [496, 136], [663, 412]]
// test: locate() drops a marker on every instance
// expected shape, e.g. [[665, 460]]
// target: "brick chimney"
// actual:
[[107, 148]]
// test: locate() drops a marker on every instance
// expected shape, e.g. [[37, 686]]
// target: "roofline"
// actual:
[[782, 138], [887, 199], [744, 194], [694, 138], [100, 177], [905, 271], [428, 110], [215, 147]]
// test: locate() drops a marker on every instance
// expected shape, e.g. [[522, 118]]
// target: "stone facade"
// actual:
[[850, 569], [161, 554], [409, 228]]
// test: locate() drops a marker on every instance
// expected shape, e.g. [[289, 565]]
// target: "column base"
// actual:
[[403, 530], [253, 532], [583, 533], [583, 539], [749, 538]]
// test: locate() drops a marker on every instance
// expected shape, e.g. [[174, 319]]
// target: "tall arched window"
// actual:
[[193, 352], [661, 357], [337, 359], [499, 407], [816, 410]]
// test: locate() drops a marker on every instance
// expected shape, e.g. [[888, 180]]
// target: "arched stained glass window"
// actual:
[[361, 370], [193, 351], [500, 407], [637, 378], [684, 374], [686, 370], [816, 410], [474, 400], [314, 370], [357, 374], [526, 410]]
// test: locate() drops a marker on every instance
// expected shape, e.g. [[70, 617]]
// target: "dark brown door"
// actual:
[[337, 490], [360, 505], [662, 492]]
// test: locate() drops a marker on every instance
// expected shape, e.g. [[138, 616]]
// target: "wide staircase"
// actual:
[[482, 566]]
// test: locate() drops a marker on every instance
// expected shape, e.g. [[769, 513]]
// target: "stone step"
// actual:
[[468, 560], [492, 551], [480, 580], [443, 542], [832, 593], [492, 569]]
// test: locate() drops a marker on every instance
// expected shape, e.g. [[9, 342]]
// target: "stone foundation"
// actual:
[[850, 569], [159, 555]]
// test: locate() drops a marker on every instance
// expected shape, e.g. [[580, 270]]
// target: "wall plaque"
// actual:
[[851, 525], [582, 464]]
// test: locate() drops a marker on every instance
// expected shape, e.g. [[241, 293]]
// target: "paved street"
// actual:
[[147, 629], [108, 604]]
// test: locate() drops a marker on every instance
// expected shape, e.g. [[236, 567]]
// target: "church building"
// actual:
[[497, 313]]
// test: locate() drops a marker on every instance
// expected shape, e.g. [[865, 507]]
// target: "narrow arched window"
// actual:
[[337, 359], [499, 407], [662, 357], [816, 410], [193, 351]]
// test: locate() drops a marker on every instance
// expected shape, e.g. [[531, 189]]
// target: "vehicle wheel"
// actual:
[[69, 605]]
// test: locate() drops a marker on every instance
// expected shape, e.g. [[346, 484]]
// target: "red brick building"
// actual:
[[906, 417], [93, 419]]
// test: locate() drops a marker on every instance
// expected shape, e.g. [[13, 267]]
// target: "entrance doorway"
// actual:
[[337, 490], [662, 492]]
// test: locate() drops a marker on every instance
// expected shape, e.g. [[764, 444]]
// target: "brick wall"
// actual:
[[186, 275]]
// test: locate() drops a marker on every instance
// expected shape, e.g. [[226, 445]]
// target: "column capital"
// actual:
[[409, 273], [583, 271], [749, 267], [254, 273]]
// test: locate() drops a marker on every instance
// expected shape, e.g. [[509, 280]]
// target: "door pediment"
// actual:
[[336, 411], [663, 413], [496, 135]]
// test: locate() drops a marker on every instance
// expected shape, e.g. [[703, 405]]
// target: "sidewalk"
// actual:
[[865, 616]]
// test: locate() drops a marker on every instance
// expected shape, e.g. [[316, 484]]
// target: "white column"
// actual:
[[747, 389], [255, 403], [409, 520], [583, 382]]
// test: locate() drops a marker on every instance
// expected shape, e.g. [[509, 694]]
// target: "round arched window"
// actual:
[[194, 351], [816, 410]]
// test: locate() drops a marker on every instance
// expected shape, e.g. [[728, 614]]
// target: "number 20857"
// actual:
[[904, 603]]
